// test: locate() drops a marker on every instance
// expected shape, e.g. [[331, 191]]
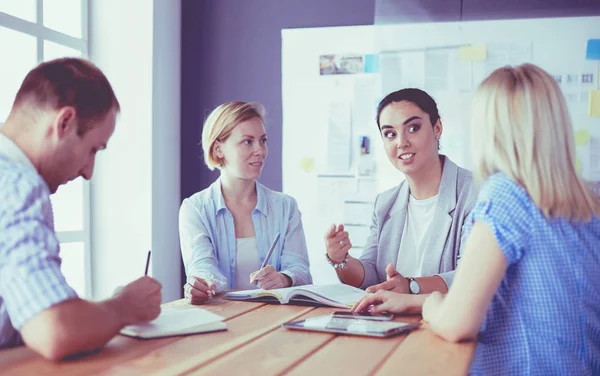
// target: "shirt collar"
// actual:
[[261, 199], [13, 152]]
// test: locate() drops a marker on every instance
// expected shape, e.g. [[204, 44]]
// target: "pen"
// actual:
[[147, 262], [269, 253]]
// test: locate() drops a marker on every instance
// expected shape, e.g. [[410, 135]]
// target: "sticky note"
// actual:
[[582, 137], [578, 165], [474, 52], [307, 164], [371, 63], [594, 103], [593, 49]]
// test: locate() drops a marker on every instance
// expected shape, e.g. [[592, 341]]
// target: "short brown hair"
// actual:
[[221, 122], [72, 82]]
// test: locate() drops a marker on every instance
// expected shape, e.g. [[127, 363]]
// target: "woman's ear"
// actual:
[[217, 150], [438, 128]]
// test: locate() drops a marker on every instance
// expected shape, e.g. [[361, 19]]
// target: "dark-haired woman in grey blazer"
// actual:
[[416, 230]]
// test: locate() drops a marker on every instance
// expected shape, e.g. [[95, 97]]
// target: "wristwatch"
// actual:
[[413, 286]]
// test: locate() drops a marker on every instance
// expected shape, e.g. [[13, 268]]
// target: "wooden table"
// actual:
[[256, 344]]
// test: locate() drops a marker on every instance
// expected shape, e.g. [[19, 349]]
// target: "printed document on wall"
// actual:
[[339, 137], [390, 72], [594, 149], [436, 70], [502, 54], [412, 69]]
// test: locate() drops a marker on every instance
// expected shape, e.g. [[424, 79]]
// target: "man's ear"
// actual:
[[65, 121]]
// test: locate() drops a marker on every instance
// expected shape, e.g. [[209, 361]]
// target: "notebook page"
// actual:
[[176, 320], [338, 292]]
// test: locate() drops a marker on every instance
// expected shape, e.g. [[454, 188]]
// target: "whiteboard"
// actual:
[[316, 149]]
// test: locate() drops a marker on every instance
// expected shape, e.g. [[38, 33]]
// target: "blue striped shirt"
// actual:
[[545, 316], [30, 276], [208, 242]]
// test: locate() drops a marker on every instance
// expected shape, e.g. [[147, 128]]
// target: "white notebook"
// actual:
[[175, 322], [337, 295]]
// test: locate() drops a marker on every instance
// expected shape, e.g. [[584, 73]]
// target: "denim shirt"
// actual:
[[208, 242], [30, 277], [545, 316]]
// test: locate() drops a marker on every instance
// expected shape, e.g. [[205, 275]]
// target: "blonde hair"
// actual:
[[522, 128], [221, 122]]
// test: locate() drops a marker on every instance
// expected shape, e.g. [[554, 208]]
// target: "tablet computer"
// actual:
[[351, 325]]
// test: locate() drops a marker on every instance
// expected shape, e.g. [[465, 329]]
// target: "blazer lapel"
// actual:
[[437, 234], [393, 226]]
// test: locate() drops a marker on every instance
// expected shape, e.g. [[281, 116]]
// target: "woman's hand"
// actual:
[[337, 243], [395, 282], [268, 278], [198, 290], [384, 301]]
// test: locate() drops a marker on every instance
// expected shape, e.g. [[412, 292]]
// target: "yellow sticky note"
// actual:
[[307, 164], [474, 52], [578, 165], [594, 103], [582, 137]]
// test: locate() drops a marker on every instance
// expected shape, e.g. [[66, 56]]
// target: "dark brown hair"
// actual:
[[417, 96], [69, 82]]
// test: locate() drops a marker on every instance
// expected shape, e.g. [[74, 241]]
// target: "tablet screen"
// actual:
[[352, 325]]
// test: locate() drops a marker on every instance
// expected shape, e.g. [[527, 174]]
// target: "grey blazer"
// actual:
[[443, 241]]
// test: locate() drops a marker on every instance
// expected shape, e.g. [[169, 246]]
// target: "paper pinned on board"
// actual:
[[594, 149], [594, 103], [307, 164], [339, 136], [582, 137], [474, 52], [593, 49]]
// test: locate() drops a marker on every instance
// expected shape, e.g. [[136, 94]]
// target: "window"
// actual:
[[40, 30]]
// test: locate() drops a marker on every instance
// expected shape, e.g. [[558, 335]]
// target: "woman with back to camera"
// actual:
[[227, 229], [415, 238], [529, 282]]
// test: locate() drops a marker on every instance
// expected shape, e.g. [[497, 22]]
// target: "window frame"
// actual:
[[43, 33]]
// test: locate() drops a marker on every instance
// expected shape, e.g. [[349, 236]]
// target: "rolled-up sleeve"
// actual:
[[448, 276], [30, 277], [368, 258], [197, 248], [294, 255]]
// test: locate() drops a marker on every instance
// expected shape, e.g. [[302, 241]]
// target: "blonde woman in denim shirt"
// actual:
[[227, 229], [529, 281]]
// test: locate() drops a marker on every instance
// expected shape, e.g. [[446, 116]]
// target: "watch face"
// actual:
[[414, 287]]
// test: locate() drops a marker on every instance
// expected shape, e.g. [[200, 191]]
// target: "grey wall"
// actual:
[[231, 50], [404, 11]]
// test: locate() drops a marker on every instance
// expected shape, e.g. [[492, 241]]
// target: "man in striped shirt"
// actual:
[[63, 114]]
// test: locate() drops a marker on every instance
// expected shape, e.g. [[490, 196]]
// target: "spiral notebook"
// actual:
[[177, 322]]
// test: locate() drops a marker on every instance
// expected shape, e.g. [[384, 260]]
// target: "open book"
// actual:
[[338, 295], [175, 322]]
